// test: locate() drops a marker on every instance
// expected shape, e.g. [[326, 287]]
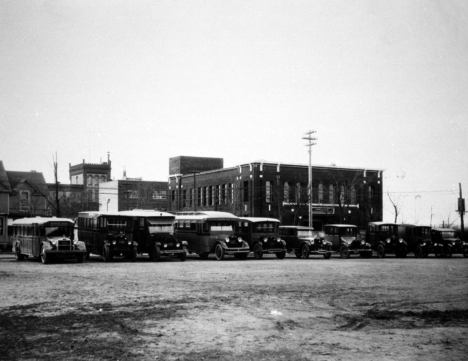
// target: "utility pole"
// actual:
[[461, 209], [310, 194]]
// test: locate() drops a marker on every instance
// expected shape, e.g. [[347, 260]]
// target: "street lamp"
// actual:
[[310, 144]]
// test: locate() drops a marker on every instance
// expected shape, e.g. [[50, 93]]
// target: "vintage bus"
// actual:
[[345, 240], [210, 232], [153, 231], [47, 238], [262, 236], [418, 239], [107, 234], [383, 237], [303, 241]]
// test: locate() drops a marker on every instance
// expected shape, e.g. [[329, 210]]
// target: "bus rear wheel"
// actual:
[[381, 251], [219, 252], [305, 251]]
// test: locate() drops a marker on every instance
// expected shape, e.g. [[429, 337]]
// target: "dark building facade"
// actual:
[[186, 165], [267, 189]]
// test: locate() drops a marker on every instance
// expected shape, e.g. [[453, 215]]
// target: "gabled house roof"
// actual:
[[33, 178], [4, 182]]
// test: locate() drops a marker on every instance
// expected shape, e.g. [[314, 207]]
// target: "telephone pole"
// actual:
[[461, 209], [310, 193]]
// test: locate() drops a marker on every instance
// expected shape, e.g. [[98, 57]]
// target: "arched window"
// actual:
[[286, 192], [298, 192], [331, 194], [320, 193], [353, 195], [342, 195]]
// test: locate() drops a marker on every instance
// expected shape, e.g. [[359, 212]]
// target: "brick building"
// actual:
[[90, 175], [268, 189]]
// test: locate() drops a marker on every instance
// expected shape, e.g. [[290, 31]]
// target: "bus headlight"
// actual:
[[265, 240], [240, 239], [388, 240], [227, 239], [177, 245], [401, 240], [129, 243], [165, 246], [114, 242]]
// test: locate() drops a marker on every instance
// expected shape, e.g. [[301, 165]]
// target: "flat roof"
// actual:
[[259, 219], [41, 220]]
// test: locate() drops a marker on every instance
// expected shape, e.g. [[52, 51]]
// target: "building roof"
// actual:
[[4, 182], [340, 225], [41, 220], [35, 178]]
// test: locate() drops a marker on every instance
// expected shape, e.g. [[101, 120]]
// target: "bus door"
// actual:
[[35, 240]]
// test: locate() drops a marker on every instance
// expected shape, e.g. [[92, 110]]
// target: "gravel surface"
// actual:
[[291, 309]]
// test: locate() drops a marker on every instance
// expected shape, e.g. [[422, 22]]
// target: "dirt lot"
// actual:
[[291, 309]]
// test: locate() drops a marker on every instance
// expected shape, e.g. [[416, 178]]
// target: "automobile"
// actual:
[[446, 243], [383, 238], [345, 240], [303, 242], [262, 236], [418, 239]]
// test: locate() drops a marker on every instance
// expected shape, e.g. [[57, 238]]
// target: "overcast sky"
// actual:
[[384, 84]]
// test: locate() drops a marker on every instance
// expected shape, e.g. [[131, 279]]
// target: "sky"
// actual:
[[383, 83]]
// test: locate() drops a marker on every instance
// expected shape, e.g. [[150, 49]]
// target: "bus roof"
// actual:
[[206, 215], [259, 219], [444, 229], [341, 225], [146, 213], [383, 223], [41, 220], [94, 214], [298, 227]]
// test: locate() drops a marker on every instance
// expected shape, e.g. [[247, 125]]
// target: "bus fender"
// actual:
[[309, 243], [46, 245], [222, 243]]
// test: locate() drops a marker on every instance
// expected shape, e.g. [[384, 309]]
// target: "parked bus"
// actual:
[[47, 238], [262, 236], [446, 243], [107, 234], [210, 232], [418, 239], [154, 233], [346, 240], [302, 241], [383, 237]]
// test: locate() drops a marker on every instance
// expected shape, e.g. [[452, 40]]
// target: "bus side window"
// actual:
[[193, 226], [205, 228]]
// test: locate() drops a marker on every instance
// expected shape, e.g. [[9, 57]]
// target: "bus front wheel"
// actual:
[[155, 254], [258, 251], [18, 255], [45, 259], [219, 252], [106, 254]]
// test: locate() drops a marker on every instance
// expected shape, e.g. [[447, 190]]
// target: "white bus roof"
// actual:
[[340, 225], [41, 220], [146, 213], [94, 214], [205, 215], [384, 223], [259, 219]]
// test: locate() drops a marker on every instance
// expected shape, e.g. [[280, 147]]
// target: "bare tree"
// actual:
[[396, 205], [57, 200]]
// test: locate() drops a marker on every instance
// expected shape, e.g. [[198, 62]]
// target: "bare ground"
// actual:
[[291, 309]]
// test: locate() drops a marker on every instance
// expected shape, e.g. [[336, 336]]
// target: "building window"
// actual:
[[211, 196], [184, 198], [199, 196], [267, 191], [246, 191], [25, 196], [76, 179], [298, 192], [218, 193], [159, 195], [331, 194], [90, 180], [371, 193], [342, 195], [231, 185], [103, 178], [1, 226], [173, 196], [191, 197], [320, 193], [286, 192], [207, 196], [353, 195]]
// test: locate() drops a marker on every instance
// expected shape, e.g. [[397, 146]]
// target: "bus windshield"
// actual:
[[387, 230], [60, 231], [116, 224], [348, 231], [157, 227], [221, 226], [265, 227], [305, 233], [448, 234]]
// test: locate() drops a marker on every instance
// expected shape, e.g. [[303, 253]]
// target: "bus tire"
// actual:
[[219, 252], [45, 259], [418, 251], [465, 252], [447, 252], [258, 251], [344, 252], [280, 255], [18, 255], [155, 253], [381, 251], [305, 251], [182, 257], [106, 253]]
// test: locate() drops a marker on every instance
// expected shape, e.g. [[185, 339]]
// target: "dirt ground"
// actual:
[[291, 309]]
